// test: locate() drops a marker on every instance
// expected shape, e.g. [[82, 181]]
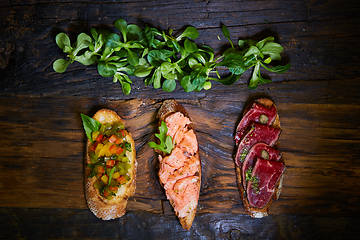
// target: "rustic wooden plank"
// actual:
[[314, 42], [43, 144], [43, 138], [208, 12], [312, 10], [81, 224], [46, 141]]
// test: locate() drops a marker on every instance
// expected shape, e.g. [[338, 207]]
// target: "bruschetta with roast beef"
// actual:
[[179, 161], [110, 166], [259, 165]]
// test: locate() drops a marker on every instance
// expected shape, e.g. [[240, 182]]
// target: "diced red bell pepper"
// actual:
[[113, 138], [121, 179], [100, 169], [99, 138], [106, 193], [119, 150], [122, 131], [118, 141], [113, 149], [113, 189], [110, 163], [93, 146]]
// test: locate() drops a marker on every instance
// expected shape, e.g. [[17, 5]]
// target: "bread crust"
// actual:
[[167, 108], [258, 212], [116, 207]]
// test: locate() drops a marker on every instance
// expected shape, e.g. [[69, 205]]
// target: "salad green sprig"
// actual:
[[166, 144], [164, 59], [248, 54]]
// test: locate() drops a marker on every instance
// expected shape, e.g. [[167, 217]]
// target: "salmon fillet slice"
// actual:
[[165, 170], [190, 168], [177, 126], [180, 171], [176, 159], [189, 143], [184, 194]]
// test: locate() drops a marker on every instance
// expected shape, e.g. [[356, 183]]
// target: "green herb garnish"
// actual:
[[166, 145], [90, 125], [128, 146], [164, 60], [243, 155], [254, 180], [255, 184], [111, 174], [248, 174]]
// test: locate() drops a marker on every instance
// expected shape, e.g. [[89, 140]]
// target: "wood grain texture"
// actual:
[[44, 162], [42, 146], [315, 34], [81, 224]]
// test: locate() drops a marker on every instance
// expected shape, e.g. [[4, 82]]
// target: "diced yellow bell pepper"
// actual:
[[105, 151], [116, 175], [94, 135], [98, 149], [124, 159], [104, 179]]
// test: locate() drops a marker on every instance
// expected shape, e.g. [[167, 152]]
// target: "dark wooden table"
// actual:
[[42, 142]]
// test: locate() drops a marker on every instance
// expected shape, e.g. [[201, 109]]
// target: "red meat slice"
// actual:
[[257, 133], [265, 176], [259, 150], [253, 115]]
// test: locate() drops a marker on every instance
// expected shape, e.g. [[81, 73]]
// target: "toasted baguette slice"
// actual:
[[168, 107], [115, 207], [258, 212]]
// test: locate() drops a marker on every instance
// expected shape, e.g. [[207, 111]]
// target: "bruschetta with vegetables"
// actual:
[[259, 165], [110, 166], [179, 161]]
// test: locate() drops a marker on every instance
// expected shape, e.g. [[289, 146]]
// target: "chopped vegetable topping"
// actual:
[[107, 154]]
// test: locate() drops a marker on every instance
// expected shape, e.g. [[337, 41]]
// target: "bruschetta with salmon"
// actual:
[[179, 161], [259, 165], [110, 165]]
